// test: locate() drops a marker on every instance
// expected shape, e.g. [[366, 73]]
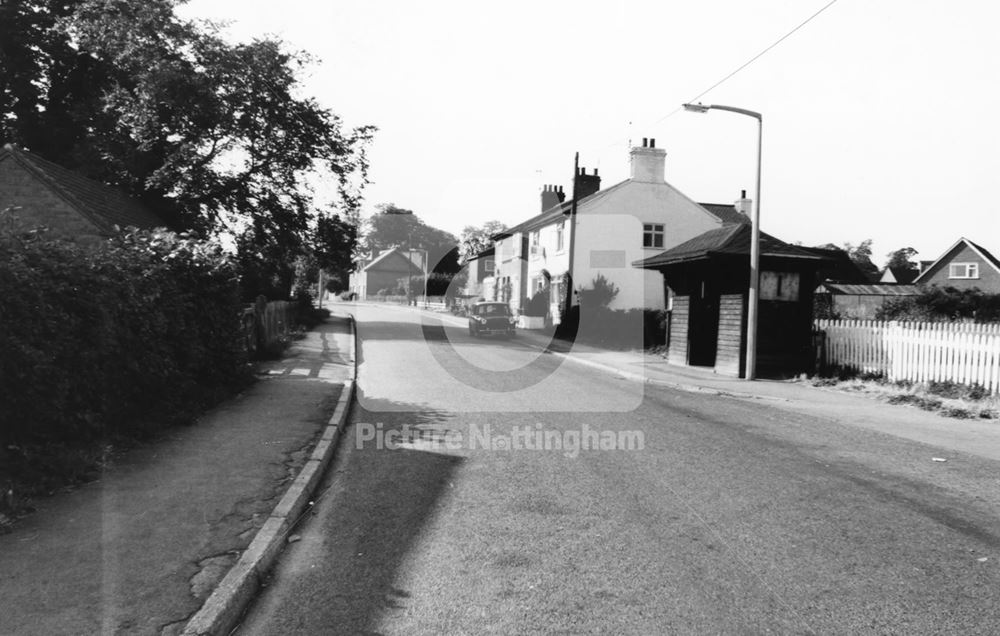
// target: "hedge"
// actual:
[[136, 334], [614, 328]]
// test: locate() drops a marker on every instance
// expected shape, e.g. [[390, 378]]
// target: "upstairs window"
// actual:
[[963, 270], [560, 228], [652, 235]]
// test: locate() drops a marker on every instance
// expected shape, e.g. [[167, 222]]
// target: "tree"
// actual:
[[475, 240], [902, 259], [211, 135], [392, 226], [861, 254], [336, 238]]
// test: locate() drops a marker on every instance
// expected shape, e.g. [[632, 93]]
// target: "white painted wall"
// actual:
[[609, 237], [548, 256]]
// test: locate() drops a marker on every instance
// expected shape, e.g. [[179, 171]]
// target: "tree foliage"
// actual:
[[937, 304], [861, 255], [209, 134], [392, 226], [336, 237], [902, 259], [475, 240]]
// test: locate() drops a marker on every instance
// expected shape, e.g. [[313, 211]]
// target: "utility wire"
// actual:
[[738, 69], [754, 58]]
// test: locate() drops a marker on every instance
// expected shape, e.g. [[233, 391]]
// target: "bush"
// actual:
[[600, 293], [615, 328], [538, 305], [119, 340], [935, 304]]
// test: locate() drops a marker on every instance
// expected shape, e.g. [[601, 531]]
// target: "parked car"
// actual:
[[491, 318]]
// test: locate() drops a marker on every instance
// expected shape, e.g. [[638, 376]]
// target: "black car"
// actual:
[[491, 318]]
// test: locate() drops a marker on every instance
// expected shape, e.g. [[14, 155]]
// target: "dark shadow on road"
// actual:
[[342, 577]]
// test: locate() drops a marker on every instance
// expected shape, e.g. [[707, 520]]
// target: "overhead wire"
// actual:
[[734, 72]]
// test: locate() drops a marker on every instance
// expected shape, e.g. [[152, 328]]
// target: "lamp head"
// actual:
[[696, 108]]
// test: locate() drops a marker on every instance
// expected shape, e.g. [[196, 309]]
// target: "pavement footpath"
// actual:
[[975, 437], [174, 535]]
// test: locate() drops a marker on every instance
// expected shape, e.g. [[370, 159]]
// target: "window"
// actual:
[[652, 235], [489, 265], [534, 249], [963, 270], [560, 227], [779, 286]]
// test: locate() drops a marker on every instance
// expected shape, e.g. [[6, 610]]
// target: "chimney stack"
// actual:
[[743, 205], [586, 184], [648, 162], [552, 196]]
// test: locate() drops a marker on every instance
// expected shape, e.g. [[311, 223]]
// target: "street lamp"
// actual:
[[751, 369]]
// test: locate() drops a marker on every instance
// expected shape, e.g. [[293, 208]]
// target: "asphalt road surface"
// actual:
[[480, 512]]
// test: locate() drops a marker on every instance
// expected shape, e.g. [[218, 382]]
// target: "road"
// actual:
[[734, 516]]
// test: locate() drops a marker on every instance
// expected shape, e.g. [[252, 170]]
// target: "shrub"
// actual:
[[942, 304], [538, 305], [138, 333], [600, 293], [615, 328]]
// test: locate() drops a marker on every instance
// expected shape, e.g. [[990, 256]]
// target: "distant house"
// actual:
[[567, 245], [38, 192], [480, 270], [964, 265], [383, 273]]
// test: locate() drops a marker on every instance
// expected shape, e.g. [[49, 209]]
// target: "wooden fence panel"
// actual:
[[918, 352]]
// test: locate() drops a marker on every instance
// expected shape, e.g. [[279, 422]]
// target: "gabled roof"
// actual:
[[555, 213], [727, 213], [898, 275], [978, 249], [389, 254], [101, 204], [730, 239], [872, 289], [723, 212], [489, 251]]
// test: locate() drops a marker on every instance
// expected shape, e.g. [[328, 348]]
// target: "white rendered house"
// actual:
[[609, 229]]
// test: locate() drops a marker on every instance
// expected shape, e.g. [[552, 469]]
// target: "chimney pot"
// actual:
[[744, 205], [652, 143]]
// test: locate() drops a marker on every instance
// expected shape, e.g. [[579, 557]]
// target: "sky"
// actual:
[[881, 120]]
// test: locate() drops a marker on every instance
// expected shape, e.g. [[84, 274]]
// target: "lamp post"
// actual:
[[752, 303]]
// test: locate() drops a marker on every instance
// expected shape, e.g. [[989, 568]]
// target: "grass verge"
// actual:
[[948, 399]]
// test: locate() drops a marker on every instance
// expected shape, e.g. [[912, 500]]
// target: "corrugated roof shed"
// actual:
[[874, 289]]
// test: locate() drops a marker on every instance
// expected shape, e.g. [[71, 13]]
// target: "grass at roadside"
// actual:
[[945, 398]]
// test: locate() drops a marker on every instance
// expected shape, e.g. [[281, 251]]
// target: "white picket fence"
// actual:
[[916, 351]]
